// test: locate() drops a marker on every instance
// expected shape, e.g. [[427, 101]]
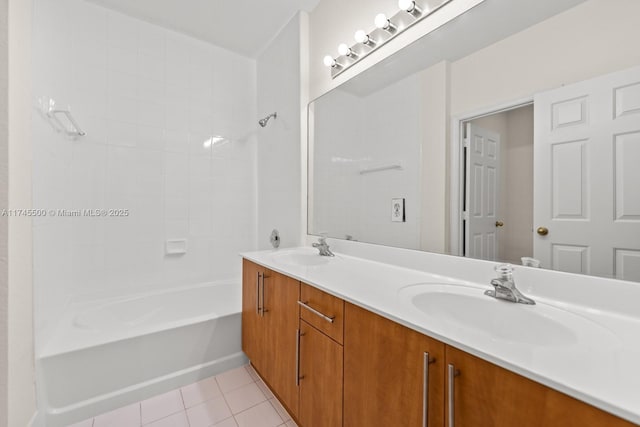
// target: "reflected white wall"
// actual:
[[354, 134]]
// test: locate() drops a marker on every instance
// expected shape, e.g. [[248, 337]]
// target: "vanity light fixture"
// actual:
[[384, 23], [330, 61], [362, 37], [409, 6], [345, 50], [387, 28]]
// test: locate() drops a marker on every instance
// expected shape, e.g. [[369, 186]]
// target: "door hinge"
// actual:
[[465, 215], [465, 144]]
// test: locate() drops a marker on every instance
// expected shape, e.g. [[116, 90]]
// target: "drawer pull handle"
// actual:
[[316, 312]]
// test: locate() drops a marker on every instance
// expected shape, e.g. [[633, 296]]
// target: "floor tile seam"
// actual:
[[253, 406], [170, 415], [166, 416], [257, 404]]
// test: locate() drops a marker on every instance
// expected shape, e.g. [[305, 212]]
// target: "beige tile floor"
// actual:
[[236, 398]]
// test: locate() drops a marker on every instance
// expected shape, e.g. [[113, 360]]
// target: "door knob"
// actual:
[[499, 223], [543, 231]]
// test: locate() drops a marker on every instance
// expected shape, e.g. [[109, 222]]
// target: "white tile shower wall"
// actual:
[[149, 100], [278, 151]]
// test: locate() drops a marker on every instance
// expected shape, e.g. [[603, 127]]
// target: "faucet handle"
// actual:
[[504, 270], [322, 240]]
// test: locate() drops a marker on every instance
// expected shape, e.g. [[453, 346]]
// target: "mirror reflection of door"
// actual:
[[483, 183], [587, 195], [583, 215], [498, 197]]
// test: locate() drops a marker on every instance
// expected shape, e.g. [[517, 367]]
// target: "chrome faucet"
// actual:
[[505, 287], [323, 247]]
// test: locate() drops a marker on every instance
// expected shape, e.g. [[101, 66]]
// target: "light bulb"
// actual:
[[382, 21], [361, 37], [410, 6], [407, 5], [329, 61], [344, 50]]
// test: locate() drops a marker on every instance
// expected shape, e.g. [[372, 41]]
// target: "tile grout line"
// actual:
[[255, 382], [184, 406], [268, 400], [186, 415]]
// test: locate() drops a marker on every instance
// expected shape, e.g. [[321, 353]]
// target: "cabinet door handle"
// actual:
[[262, 309], [316, 312], [298, 357], [452, 374], [258, 293], [426, 361]]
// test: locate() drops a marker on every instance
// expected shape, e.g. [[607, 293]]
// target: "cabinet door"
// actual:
[[385, 383], [281, 314], [321, 379], [253, 343], [487, 395]]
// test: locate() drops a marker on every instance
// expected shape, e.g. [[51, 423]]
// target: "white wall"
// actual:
[[278, 153], [20, 384], [589, 40], [148, 99], [4, 201], [519, 187], [434, 183]]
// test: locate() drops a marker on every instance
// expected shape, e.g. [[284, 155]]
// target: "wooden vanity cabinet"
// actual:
[[333, 363], [387, 376], [321, 366], [479, 394], [269, 326], [253, 339], [321, 358]]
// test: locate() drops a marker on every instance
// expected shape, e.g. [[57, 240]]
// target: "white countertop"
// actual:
[[600, 365]]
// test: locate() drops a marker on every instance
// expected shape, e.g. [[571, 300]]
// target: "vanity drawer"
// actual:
[[323, 311]]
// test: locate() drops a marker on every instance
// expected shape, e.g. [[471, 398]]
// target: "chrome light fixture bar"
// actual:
[[411, 12]]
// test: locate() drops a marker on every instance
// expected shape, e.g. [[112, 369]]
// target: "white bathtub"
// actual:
[[107, 354]]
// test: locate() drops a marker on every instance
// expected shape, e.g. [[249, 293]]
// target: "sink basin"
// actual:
[[300, 258], [468, 308]]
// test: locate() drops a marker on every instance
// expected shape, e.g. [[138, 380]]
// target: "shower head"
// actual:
[[263, 122]]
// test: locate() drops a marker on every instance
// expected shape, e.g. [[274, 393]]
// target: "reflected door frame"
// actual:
[[456, 176]]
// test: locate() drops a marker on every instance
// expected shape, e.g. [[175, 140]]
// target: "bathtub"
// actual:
[[107, 354]]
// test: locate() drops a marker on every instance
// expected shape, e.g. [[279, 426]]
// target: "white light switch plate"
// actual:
[[397, 210]]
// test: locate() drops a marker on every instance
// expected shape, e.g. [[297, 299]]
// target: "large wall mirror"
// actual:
[[512, 140]]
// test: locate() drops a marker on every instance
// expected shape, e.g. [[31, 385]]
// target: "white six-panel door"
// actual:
[[482, 192], [587, 176]]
